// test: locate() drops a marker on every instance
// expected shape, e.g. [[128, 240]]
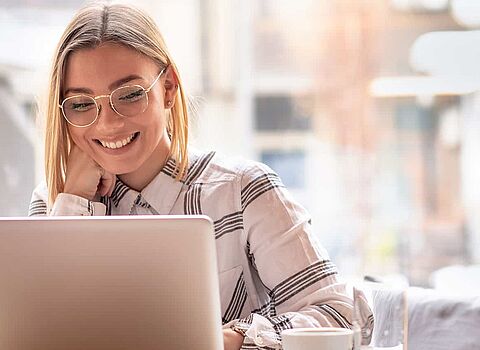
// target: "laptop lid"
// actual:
[[132, 282]]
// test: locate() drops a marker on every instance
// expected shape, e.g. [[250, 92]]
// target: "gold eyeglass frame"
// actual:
[[95, 98]]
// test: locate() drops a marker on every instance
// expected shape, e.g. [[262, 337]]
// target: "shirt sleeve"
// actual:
[[71, 205], [295, 269], [38, 201], [65, 205]]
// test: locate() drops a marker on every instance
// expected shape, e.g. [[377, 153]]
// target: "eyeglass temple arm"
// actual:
[[156, 79]]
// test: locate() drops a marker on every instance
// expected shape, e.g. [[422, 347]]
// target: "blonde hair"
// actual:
[[94, 24]]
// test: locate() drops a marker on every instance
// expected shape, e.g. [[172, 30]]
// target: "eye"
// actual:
[[82, 106], [131, 95]]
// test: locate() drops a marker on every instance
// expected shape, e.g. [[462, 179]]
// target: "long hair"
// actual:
[[94, 24]]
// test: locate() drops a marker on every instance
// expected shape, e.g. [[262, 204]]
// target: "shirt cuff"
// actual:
[[68, 204]]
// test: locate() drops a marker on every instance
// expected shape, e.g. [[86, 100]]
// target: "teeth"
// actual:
[[117, 144]]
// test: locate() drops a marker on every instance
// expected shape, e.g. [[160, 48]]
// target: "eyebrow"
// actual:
[[112, 86]]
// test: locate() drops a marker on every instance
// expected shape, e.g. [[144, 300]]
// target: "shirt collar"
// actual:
[[161, 193]]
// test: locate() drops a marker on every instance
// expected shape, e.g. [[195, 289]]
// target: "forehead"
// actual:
[[96, 68]]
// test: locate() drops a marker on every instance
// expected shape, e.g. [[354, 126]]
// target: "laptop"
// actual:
[[109, 283]]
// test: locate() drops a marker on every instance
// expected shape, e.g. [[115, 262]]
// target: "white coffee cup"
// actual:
[[317, 339]]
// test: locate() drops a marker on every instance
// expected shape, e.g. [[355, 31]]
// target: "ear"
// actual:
[[171, 85]]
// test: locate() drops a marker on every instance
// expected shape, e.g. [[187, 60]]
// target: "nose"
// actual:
[[108, 120]]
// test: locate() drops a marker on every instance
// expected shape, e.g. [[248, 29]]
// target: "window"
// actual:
[[279, 112], [290, 166]]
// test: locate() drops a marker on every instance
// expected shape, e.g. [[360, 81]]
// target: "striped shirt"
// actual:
[[273, 273]]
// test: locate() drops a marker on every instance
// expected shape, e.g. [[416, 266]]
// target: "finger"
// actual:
[[100, 185], [107, 182], [102, 190], [112, 187]]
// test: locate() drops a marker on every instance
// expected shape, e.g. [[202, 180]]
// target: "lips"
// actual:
[[116, 144]]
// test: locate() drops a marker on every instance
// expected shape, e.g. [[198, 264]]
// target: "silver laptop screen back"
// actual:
[[109, 283]]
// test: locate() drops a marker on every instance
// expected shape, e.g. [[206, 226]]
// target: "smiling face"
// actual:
[[135, 145]]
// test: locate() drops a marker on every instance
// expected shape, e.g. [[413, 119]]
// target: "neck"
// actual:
[[141, 177]]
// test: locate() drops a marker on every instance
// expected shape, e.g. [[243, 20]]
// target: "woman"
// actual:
[[116, 144]]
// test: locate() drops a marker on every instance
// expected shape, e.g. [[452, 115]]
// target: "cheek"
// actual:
[[78, 137], [75, 135], [155, 121]]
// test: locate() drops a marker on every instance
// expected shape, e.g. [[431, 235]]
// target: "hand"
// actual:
[[232, 340], [85, 178]]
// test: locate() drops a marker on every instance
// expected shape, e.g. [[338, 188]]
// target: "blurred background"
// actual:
[[368, 109]]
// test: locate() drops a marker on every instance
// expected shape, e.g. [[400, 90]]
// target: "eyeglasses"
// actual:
[[127, 101]]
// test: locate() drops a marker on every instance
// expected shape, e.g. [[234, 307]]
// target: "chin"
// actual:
[[120, 169]]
